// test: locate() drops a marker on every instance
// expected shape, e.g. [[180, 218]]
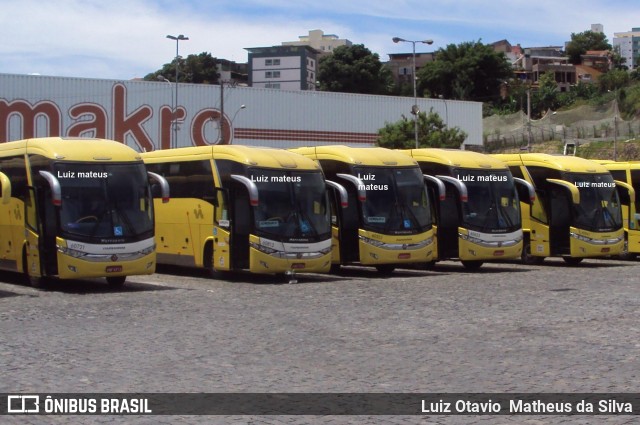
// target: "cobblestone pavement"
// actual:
[[507, 328]]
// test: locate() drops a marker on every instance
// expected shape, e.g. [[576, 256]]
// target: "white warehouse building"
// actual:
[[143, 114]]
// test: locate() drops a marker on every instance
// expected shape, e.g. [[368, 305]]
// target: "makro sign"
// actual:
[[113, 120]]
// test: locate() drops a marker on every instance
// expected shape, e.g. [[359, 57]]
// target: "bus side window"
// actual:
[[537, 209], [221, 207]]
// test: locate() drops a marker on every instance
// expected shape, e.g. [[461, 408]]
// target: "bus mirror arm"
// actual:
[[531, 191], [5, 183], [344, 196], [442, 190], [164, 185], [572, 188], [628, 188], [462, 188], [251, 188], [362, 193], [56, 191]]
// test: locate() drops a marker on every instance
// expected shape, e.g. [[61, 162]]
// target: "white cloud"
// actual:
[[126, 38]]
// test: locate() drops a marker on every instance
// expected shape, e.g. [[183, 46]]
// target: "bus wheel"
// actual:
[[625, 254], [472, 265], [207, 260], [430, 265], [572, 261], [116, 281], [40, 282], [386, 269], [527, 258]]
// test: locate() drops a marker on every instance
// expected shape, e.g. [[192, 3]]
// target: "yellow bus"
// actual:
[[627, 177], [75, 208], [479, 218], [242, 208], [388, 221], [576, 213]]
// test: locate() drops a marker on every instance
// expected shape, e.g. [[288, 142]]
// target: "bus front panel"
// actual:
[[376, 248], [479, 246], [83, 260]]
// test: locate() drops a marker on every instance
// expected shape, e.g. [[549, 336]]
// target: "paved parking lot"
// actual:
[[508, 328]]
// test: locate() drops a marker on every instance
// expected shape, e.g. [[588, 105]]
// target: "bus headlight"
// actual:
[[148, 250], [593, 241], [263, 248], [70, 252]]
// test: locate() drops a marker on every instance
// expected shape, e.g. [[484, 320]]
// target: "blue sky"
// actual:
[[123, 39]]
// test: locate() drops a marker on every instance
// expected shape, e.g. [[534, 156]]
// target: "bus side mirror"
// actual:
[[459, 185], [526, 191], [162, 183], [572, 188], [358, 183], [342, 192], [56, 191], [5, 188], [440, 189]]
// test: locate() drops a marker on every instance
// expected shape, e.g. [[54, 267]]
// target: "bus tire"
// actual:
[[572, 261], [527, 258], [430, 265], [626, 255], [386, 269], [207, 263], [207, 259], [116, 281], [472, 264], [38, 282]]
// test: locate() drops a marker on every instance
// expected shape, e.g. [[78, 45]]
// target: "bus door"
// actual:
[[243, 196], [437, 193], [349, 219], [47, 210], [559, 220], [221, 231], [33, 265], [337, 198], [449, 214]]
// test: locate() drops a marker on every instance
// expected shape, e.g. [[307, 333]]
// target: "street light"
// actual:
[[414, 109], [178, 39], [234, 117]]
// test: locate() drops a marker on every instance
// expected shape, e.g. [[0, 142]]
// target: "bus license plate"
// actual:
[[113, 269]]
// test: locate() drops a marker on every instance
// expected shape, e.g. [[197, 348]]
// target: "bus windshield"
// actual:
[[493, 204], [292, 205], [397, 200], [599, 209], [104, 201]]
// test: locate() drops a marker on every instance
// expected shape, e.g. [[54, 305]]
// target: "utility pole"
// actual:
[[529, 120]]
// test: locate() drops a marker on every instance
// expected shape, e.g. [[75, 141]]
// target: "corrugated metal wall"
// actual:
[[133, 111]]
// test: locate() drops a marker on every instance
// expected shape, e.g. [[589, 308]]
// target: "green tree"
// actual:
[[467, 71], [432, 133], [583, 41], [354, 69], [198, 69], [613, 80], [547, 92]]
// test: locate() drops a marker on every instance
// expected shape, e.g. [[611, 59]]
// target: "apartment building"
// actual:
[[283, 67], [629, 45], [401, 65], [324, 43]]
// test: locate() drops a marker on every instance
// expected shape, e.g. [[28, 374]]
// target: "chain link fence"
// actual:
[[586, 126]]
